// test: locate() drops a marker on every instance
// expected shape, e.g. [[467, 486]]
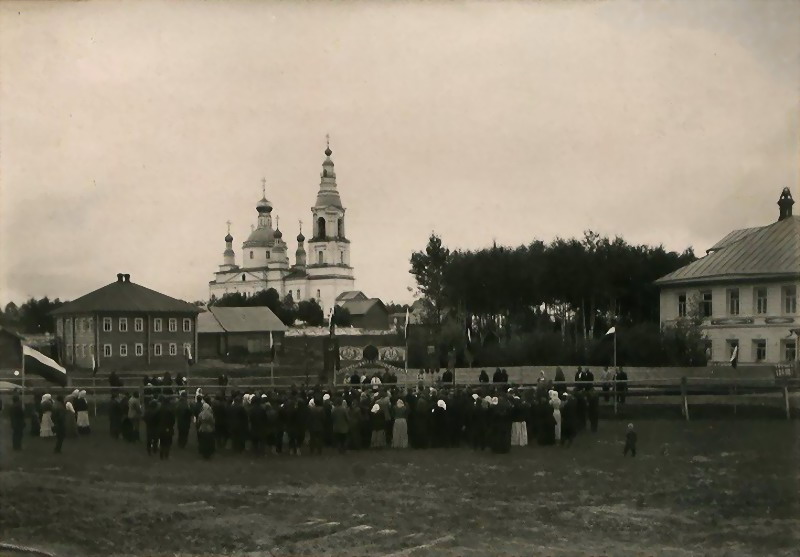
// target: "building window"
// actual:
[[123, 324], [760, 350], [138, 324], [789, 350], [107, 350], [156, 349], [733, 301], [705, 304], [60, 327], [69, 352], [187, 325], [319, 258], [123, 350], [761, 301], [681, 305], [173, 349], [789, 299], [187, 348], [79, 325], [341, 254], [82, 351], [251, 254], [267, 254], [732, 344], [243, 278], [298, 294], [90, 324], [157, 325], [173, 325], [318, 295], [139, 349], [106, 324]]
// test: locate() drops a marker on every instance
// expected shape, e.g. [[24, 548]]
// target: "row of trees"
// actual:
[[32, 317], [289, 312], [554, 301]]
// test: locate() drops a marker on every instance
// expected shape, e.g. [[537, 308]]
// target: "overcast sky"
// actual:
[[131, 131]]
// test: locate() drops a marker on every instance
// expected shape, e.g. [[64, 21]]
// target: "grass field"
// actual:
[[727, 487]]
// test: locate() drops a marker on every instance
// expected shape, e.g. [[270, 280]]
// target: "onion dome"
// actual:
[[301, 238], [264, 206], [278, 234], [228, 238], [260, 237]]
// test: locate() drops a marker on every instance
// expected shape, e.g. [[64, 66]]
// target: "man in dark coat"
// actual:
[[166, 427], [151, 418], [183, 417], [237, 423], [622, 386], [447, 377], [258, 425], [484, 377], [355, 379], [316, 426], [594, 410], [59, 417], [580, 408], [558, 381], [422, 418], [570, 419], [115, 415], [17, 422], [498, 376], [220, 410]]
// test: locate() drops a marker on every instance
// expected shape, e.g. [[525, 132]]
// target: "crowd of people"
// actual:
[[367, 413]]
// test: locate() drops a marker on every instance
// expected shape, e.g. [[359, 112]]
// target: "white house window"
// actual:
[[187, 325], [681, 305], [123, 350], [173, 349], [760, 350], [138, 324], [789, 299], [187, 348], [157, 324], [761, 301], [156, 349], [139, 349], [107, 324], [733, 301], [705, 304], [123, 324], [107, 350], [789, 350], [173, 325]]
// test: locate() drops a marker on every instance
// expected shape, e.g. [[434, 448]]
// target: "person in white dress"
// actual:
[[46, 424]]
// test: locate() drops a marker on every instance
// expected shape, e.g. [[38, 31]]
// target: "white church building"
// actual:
[[321, 272]]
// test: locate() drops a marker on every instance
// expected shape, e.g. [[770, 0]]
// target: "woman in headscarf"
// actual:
[[400, 428], [82, 411], [205, 430], [46, 423], [70, 419], [134, 415], [559, 380], [378, 421]]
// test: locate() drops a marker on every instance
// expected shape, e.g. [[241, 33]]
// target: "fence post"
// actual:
[[786, 401], [684, 393], [614, 394], [735, 390]]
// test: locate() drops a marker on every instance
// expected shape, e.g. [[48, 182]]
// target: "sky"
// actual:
[[130, 132]]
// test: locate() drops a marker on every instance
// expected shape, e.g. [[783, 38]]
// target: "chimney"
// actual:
[[127, 278], [785, 203], [119, 277]]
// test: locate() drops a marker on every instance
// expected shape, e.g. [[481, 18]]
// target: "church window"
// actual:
[[321, 227], [267, 254], [251, 254], [340, 224], [298, 294], [319, 258], [243, 278], [318, 296], [341, 254], [107, 324], [173, 349]]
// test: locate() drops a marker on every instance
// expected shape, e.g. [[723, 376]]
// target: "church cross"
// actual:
[[264, 187], [301, 226], [328, 140], [229, 223]]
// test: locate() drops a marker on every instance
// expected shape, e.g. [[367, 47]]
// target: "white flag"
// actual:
[[611, 331]]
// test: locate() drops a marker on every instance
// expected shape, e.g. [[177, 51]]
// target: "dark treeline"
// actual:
[[553, 302], [32, 317], [286, 310]]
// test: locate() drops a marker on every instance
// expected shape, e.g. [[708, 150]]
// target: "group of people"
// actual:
[[365, 414]]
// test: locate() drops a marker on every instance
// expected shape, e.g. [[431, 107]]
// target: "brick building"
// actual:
[[127, 327]]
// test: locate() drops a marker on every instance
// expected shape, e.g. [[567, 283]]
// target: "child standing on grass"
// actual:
[[630, 442]]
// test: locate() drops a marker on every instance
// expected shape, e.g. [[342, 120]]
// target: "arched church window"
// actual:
[[318, 295], [321, 227], [340, 225], [319, 258], [251, 254], [341, 254], [243, 278], [267, 254]]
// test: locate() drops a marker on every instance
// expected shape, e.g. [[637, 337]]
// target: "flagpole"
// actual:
[[23, 376], [615, 348]]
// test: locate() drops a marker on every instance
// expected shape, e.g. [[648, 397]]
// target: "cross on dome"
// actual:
[[229, 223], [264, 187]]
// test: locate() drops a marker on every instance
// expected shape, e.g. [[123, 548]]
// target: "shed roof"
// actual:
[[361, 307], [240, 320]]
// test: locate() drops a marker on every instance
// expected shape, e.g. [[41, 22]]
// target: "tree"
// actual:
[[397, 308], [34, 315], [429, 269], [342, 317], [310, 312]]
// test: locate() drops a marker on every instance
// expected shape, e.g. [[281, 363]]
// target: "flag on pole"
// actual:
[[43, 366], [94, 365], [405, 330], [331, 313], [611, 331], [735, 356]]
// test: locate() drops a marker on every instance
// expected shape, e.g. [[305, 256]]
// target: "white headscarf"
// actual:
[[46, 398], [82, 394], [495, 401], [375, 409], [475, 396], [326, 396], [311, 403], [441, 404]]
